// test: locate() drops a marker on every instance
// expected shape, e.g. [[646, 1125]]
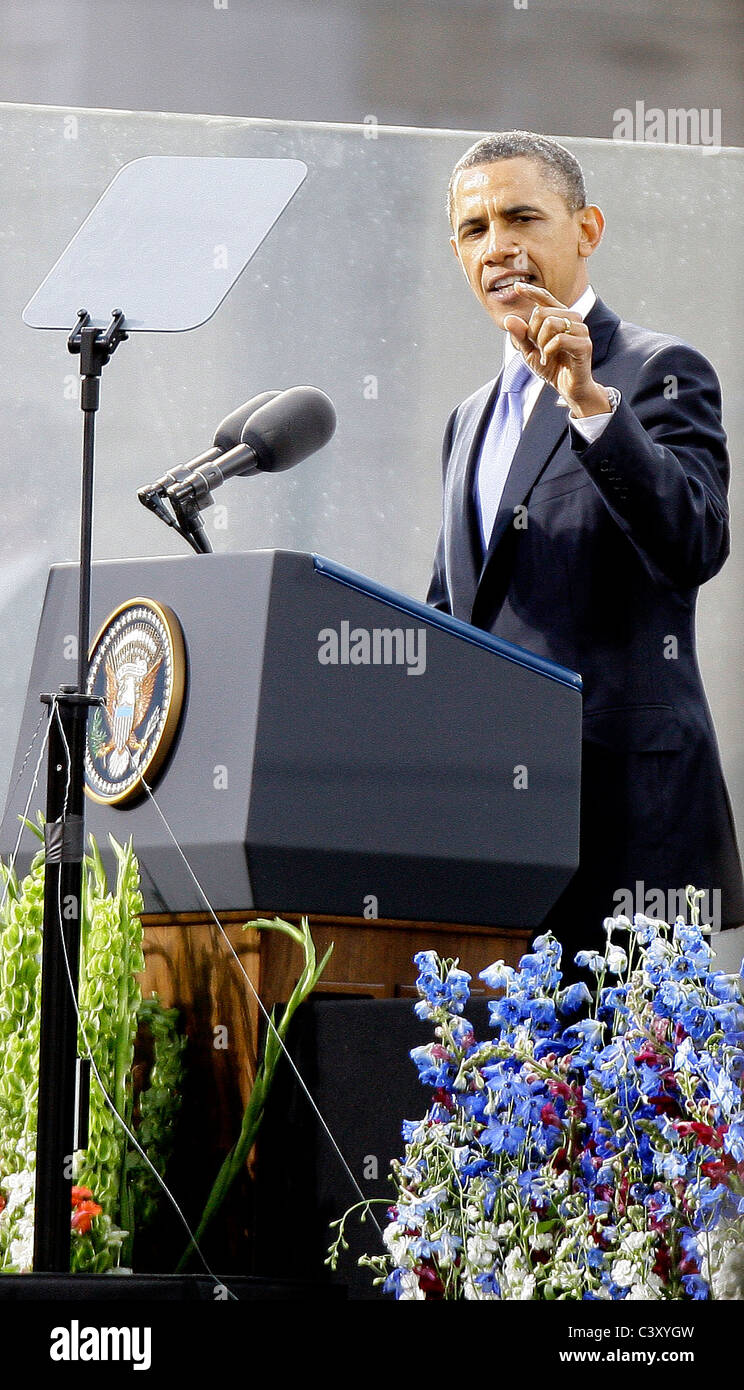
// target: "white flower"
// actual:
[[460, 1156], [449, 1250], [480, 1251], [723, 1267], [396, 1241], [19, 1190], [409, 1288], [623, 1273], [616, 958], [649, 1291], [22, 1246], [637, 1240], [518, 1282]]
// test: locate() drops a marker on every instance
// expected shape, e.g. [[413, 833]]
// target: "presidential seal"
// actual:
[[138, 667]]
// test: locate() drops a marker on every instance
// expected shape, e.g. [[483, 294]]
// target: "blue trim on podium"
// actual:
[[436, 618]]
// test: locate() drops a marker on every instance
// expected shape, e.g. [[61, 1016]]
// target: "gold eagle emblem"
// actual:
[[129, 691]]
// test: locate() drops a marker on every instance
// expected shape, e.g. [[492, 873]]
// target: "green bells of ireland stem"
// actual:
[[112, 1181]]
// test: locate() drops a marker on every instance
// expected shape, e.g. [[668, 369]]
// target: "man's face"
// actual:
[[511, 224]]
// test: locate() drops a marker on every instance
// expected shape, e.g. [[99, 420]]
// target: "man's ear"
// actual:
[[458, 257], [591, 229]]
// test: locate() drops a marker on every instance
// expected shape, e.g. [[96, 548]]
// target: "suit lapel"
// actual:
[[546, 428]]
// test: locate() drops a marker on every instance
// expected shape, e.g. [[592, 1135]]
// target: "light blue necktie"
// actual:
[[500, 444]]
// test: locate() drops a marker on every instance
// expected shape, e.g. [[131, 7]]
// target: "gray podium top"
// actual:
[[341, 746]]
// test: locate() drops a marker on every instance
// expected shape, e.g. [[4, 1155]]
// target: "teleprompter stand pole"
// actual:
[[64, 846]]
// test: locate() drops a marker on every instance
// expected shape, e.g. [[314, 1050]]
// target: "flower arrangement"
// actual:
[[113, 1189], [594, 1147]]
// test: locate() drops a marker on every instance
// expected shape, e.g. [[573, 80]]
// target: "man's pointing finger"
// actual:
[[538, 293]]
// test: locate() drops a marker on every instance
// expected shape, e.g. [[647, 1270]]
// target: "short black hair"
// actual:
[[564, 171]]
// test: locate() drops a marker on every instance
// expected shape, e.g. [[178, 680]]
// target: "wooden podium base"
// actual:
[[190, 965]]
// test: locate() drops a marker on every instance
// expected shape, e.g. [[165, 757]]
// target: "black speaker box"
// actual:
[[353, 1055]]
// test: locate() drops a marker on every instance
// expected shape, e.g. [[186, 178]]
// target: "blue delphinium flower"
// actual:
[[723, 1091], [488, 1283], [612, 1001], [695, 1286], [542, 1014], [644, 928], [440, 989], [574, 997], [733, 1139], [433, 1071], [696, 1019], [590, 1140], [506, 1013], [668, 998], [590, 1031], [541, 965], [729, 1018], [590, 960], [498, 976], [503, 1135], [726, 988], [670, 1165]]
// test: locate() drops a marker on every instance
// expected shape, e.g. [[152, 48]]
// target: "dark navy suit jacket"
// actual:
[[598, 568]]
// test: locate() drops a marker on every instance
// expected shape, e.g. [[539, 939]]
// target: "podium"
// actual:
[[340, 743], [408, 781]]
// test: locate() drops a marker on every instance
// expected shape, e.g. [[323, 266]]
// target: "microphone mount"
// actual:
[[177, 505]]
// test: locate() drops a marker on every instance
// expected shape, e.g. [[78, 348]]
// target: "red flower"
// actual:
[[705, 1134], [429, 1281], [718, 1169], [663, 1261], [83, 1216], [81, 1194], [668, 1104]]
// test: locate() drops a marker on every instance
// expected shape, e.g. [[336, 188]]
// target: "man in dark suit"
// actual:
[[585, 501]]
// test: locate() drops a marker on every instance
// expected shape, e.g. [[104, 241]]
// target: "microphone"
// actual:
[[226, 436], [287, 429]]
